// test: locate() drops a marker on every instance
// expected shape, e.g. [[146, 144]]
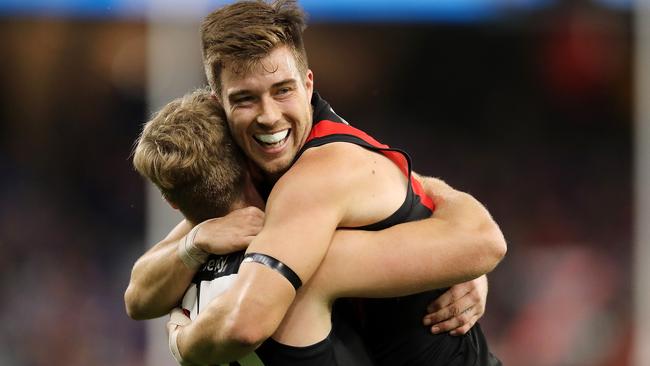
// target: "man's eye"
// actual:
[[284, 90], [243, 100]]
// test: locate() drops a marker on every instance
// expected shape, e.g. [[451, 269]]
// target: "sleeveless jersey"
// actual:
[[398, 339], [343, 347], [213, 278], [392, 328]]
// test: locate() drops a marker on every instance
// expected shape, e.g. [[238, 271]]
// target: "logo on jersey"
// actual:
[[219, 266]]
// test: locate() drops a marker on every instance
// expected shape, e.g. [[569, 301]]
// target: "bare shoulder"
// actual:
[[364, 186], [331, 168], [336, 155], [323, 173]]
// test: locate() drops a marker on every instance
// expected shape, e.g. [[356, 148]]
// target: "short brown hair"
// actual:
[[243, 33], [186, 150]]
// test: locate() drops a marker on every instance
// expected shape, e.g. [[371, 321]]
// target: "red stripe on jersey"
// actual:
[[426, 200], [326, 128]]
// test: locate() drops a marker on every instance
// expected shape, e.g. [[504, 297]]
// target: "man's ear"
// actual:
[[309, 83]]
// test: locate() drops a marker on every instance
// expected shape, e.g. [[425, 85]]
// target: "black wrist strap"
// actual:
[[275, 264]]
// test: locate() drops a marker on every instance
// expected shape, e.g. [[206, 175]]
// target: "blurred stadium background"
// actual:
[[533, 106]]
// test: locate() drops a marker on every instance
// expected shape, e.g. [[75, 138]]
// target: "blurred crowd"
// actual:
[[533, 116], [71, 212]]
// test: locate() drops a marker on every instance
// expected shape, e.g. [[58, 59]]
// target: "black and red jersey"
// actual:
[[417, 205], [391, 328]]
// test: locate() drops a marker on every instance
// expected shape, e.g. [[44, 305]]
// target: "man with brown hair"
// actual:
[[268, 100], [187, 152]]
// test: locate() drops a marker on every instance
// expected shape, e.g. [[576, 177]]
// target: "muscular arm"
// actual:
[[302, 214], [159, 278], [458, 243]]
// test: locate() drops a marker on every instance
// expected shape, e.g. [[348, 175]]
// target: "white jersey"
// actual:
[[213, 278]]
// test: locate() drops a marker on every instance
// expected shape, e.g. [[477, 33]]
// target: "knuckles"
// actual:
[[464, 318], [454, 311], [251, 215]]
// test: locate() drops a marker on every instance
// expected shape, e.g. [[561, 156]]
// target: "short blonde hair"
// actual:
[[242, 33], [187, 151]]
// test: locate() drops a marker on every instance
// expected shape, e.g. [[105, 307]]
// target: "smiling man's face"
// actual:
[[269, 109]]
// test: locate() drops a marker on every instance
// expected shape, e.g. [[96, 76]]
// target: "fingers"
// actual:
[[457, 311], [232, 232], [250, 212], [457, 325], [452, 295], [465, 328], [247, 220], [177, 318]]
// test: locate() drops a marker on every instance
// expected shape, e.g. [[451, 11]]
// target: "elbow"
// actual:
[[246, 333], [248, 338], [250, 323], [494, 248], [243, 336], [134, 308], [223, 332]]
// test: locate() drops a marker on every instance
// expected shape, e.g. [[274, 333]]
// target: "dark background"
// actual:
[[530, 113]]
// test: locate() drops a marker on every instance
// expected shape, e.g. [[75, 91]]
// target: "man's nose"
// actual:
[[269, 112]]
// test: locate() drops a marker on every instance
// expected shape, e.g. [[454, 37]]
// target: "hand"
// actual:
[[230, 233], [177, 321], [458, 309]]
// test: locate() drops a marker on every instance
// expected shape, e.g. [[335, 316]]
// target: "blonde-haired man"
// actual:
[[187, 152], [325, 175]]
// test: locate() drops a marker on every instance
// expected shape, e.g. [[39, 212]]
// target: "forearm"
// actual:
[[458, 243], [473, 228], [159, 278], [396, 262], [207, 340], [158, 281], [237, 322], [249, 312]]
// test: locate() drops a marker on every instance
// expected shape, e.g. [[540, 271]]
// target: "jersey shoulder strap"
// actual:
[[325, 131]]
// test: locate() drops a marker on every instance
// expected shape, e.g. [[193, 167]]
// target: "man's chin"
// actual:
[[275, 169]]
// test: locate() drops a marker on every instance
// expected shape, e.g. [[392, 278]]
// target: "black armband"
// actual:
[[275, 264]]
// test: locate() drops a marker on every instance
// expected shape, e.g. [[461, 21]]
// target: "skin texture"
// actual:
[[299, 224], [297, 231], [366, 264], [458, 309], [263, 102], [159, 278]]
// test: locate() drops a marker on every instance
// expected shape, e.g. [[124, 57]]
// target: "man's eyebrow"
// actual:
[[238, 93], [284, 82]]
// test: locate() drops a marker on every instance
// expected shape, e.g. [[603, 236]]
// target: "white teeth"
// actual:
[[272, 138]]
